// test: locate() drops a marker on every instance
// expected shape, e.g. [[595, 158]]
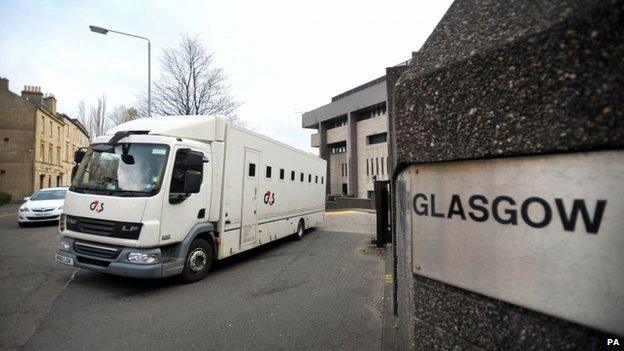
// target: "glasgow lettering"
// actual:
[[534, 211]]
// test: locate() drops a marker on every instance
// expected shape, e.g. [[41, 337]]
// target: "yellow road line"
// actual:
[[7, 214]]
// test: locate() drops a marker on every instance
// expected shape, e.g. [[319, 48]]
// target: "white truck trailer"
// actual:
[[163, 196]]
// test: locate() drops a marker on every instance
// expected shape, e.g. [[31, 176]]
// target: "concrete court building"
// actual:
[[37, 142], [352, 132]]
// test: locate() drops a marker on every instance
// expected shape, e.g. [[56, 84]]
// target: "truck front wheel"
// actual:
[[198, 261]]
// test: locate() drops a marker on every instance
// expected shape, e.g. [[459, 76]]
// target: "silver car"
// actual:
[[44, 205]]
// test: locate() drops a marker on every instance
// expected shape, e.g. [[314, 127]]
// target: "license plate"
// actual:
[[64, 260], [40, 214]]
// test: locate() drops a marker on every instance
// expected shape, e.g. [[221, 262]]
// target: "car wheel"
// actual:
[[198, 261], [23, 224]]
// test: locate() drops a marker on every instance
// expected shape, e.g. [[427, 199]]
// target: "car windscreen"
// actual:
[[56, 194]]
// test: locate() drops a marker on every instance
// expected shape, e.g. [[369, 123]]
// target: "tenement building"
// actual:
[[38, 143], [351, 136]]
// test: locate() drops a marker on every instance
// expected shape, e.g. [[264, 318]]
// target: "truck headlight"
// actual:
[[64, 245], [142, 258]]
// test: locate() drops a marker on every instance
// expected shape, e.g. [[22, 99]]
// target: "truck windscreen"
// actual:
[[127, 169]]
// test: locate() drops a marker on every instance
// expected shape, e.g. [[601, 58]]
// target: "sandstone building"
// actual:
[[38, 143]]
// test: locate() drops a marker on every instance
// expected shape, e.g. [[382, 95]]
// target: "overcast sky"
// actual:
[[282, 58]]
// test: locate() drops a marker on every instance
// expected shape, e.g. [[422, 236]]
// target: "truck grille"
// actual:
[[114, 229], [96, 250]]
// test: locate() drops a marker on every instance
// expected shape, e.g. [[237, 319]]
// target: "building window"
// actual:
[[58, 155], [301, 177], [51, 131], [67, 152], [281, 173], [50, 156], [377, 165], [382, 166], [251, 172], [309, 178], [322, 180], [338, 148], [366, 166], [42, 152], [6, 143], [292, 176], [42, 131], [268, 172], [58, 135], [377, 138], [316, 179], [337, 123]]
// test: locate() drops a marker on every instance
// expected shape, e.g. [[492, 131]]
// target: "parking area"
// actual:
[[323, 292]]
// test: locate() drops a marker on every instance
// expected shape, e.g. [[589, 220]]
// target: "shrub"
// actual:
[[4, 198]]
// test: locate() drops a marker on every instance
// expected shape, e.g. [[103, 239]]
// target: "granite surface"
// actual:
[[514, 78], [498, 79]]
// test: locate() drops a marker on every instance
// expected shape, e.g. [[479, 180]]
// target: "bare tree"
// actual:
[[190, 84], [97, 122], [82, 114], [122, 114]]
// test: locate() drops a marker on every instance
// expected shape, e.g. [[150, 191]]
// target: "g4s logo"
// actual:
[[269, 198], [97, 206]]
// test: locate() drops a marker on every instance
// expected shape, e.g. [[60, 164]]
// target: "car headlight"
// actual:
[[23, 208], [60, 207], [64, 245], [142, 258]]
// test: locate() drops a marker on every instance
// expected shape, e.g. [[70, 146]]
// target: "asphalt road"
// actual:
[[321, 293]]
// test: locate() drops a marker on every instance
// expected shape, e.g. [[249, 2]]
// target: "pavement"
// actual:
[[323, 292]]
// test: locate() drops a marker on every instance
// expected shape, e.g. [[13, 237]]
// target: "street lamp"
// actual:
[[105, 31]]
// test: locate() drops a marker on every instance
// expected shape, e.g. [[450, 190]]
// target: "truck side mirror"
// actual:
[[192, 181], [194, 159], [79, 155], [73, 173]]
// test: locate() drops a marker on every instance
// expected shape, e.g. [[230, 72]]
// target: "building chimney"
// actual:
[[49, 101], [32, 94], [4, 83]]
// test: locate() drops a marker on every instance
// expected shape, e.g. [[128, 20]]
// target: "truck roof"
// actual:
[[201, 128]]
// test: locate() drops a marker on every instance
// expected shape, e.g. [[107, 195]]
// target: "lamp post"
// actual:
[[105, 31]]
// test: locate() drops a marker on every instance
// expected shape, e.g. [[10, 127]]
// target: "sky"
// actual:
[[281, 58]]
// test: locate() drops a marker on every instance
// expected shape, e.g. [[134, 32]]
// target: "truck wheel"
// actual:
[[300, 230], [198, 261]]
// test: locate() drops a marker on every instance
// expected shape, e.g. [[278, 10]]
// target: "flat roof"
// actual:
[[362, 96]]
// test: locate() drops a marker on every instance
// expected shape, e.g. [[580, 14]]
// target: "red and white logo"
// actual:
[[97, 206]]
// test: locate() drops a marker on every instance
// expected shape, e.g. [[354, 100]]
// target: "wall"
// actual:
[[501, 79], [335, 172], [16, 124], [338, 134], [366, 152]]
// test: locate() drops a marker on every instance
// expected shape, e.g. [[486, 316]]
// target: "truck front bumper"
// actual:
[[114, 260]]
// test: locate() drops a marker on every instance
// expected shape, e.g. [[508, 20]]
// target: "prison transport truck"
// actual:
[[156, 197]]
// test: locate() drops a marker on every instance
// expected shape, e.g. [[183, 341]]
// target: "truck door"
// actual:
[[251, 178], [180, 211]]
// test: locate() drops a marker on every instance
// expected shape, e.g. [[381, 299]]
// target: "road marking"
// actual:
[[7, 214], [388, 278]]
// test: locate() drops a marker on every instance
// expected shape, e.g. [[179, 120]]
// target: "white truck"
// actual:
[[164, 196]]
